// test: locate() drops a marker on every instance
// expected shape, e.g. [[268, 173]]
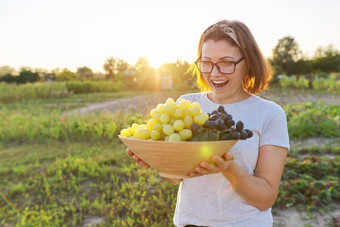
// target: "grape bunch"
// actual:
[[170, 121], [220, 126]]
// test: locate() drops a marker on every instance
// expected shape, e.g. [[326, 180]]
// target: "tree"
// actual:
[[5, 70], [286, 54], [326, 60], [85, 73], [113, 66], [179, 71], [27, 76], [67, 75], [146, 76], [8, 78]]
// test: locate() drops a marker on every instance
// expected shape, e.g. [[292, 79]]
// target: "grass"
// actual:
[[59, 184], [62, 182]]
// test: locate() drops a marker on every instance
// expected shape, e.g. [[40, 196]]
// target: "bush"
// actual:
[[12, 93], [79, 87], [313, 120]]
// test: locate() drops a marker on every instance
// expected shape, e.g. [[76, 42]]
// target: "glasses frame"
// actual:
[[218, 67]]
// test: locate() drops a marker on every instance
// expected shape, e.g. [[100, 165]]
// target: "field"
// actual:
[[61, 163]]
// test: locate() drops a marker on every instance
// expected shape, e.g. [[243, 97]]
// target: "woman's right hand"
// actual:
[[136, 158]]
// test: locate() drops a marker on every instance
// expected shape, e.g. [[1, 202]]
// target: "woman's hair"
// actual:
[[259, 71]]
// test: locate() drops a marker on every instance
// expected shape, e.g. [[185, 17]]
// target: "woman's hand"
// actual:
[[222, 164], [136, 158]]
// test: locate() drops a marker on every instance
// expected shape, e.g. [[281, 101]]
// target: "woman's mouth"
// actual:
[[219, 83]]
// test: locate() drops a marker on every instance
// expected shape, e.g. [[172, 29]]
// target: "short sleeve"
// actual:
[[275, 131]]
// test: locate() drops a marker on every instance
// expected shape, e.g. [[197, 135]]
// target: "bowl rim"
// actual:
[[168, 142]]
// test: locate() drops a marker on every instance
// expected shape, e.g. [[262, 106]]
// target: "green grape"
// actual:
[[184, 104], [172, 120], [186, 112], [157, 116], [179, 125], [185, 134], [201, 118], [125, 133], [168, 109], [160, 108], [157, 126], [188, 120], [175, 137], [168, 129], [194, 111], [195, 104], [143, 134], [151, 123], [178, 113], [155, 135], [171, 102], [153, 112], [165, 118]]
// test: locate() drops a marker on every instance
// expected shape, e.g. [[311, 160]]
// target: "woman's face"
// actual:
[[224, 86]]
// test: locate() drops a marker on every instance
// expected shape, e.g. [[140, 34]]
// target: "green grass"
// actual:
[[59, 184], [60, 181]]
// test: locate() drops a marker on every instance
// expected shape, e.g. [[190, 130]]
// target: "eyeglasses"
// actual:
[[224, 67]]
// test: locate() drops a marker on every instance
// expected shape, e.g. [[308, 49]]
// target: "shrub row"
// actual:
[[10, 93], [313, 120], [328, 83]]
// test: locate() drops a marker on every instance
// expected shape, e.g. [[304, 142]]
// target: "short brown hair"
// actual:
[[259, 71]]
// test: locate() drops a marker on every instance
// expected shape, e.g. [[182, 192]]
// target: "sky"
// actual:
[[69, 34]]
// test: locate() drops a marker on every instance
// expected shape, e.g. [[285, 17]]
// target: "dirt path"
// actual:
[[144, 103]]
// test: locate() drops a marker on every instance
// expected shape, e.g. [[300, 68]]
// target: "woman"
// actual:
[[243, 185]]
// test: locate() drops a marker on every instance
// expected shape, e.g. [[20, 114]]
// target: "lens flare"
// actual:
[[206, 152]]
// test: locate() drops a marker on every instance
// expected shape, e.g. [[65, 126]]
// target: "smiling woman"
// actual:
[[243, 185]]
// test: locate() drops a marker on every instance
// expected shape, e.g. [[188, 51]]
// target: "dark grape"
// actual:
[[210, 124], [239, 126], [224, 136], [195, 128], [244, 135], [215, 112], [249, 132], [195, 138], [222, 127], [214, 117], [230, 123], [204, 137], [223, 117], [235, 135], [228, 117], [220, 109], [212, 135], [220, 121]]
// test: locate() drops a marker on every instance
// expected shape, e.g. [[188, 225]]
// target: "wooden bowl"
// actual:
[[176, 159]]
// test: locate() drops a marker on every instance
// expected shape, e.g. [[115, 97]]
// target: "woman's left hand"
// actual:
[[222, 164]]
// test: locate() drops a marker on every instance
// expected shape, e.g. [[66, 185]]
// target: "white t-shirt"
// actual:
[[210, 200]]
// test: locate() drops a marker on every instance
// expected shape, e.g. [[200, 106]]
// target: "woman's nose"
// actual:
[[215, 70]]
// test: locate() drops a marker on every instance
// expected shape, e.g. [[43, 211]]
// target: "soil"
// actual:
[[282, 217]]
